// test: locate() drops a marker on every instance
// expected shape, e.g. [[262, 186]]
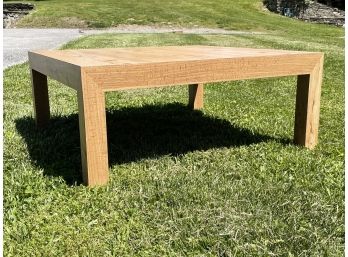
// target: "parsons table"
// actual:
[[92, 72]]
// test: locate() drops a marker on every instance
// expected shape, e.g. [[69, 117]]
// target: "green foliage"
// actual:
[[226, 181]]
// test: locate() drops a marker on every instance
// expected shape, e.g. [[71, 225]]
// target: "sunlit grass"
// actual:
[[226, 181], [235, 15]]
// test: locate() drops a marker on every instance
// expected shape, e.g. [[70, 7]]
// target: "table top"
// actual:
[[151, 55]]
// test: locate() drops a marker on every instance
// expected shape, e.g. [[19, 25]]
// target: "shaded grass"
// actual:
[[221, 182], [134, 134]]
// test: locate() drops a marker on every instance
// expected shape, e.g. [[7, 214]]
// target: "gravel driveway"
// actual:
[[17, 42]]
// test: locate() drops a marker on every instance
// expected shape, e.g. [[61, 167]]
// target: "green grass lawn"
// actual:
[[236, 14], [240, 14], [226, 181]]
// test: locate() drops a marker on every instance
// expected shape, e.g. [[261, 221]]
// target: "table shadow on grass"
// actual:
[[133, 133]]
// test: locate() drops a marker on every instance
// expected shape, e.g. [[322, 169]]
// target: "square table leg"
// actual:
[[93, 138], [40, 98], [196, 96], [308, 107]]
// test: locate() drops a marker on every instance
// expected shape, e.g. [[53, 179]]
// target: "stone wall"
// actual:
[[321, 13], [14, 11], [312, 11], [286, 7]]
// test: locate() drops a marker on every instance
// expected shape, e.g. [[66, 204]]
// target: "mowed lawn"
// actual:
[[224, 181], [236, 15]]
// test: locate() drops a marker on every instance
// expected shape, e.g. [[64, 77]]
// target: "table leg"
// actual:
[[93, 138], [40, 98], [308, 107], [196, 96]]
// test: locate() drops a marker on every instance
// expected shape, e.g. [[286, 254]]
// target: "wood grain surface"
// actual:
[[124, 68], [196, 96], [92, 72], [308, 107], [40, 98]]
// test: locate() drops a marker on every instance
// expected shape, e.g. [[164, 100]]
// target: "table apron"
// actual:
[[166, 74]]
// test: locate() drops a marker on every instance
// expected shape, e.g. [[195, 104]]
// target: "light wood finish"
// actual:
[[92, 72], [308, 107], [165, 66], [67, 73], [93, 139], [40, 96], [196, 96]]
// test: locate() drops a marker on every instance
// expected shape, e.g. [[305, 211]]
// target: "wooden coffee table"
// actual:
[[93, 72]]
